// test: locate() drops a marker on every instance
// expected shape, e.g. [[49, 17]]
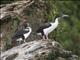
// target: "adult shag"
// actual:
[[47, 28], [23, 34]]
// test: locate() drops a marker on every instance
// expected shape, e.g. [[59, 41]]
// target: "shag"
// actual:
[[23, 34], [47, 28]]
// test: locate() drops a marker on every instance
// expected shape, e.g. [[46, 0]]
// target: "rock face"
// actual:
[[35, 50], [13, 15], [16, 7]]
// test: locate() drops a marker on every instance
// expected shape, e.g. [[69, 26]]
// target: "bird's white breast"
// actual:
[[27, 34], [50, 29]]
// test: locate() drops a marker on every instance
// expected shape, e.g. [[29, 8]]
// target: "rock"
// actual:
[[13, 8], [35, 49]]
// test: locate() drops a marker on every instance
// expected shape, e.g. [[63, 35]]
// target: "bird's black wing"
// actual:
[[21, 32], [43, 27]]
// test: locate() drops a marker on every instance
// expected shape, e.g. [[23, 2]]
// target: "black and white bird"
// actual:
[[47, 28], [23, 34]]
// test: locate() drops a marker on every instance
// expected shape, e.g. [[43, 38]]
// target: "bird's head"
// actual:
[[61, 16], [64, 16], [26, 25], [58, 17]]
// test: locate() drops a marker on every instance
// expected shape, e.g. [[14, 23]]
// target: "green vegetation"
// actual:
[[68, 31], [14, 22]]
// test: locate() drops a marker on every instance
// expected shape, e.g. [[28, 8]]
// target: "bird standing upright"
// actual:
[[23, 34], [49, 27]]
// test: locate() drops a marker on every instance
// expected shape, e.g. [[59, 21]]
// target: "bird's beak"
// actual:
[[63, 16]]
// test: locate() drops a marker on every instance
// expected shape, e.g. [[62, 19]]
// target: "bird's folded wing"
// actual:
[[45, 26], [20, 32]]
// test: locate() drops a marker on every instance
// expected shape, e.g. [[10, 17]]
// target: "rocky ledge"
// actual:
[[38, 50]]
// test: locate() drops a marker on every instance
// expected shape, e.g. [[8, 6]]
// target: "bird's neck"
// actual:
[[30, 29], [56, 20]]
